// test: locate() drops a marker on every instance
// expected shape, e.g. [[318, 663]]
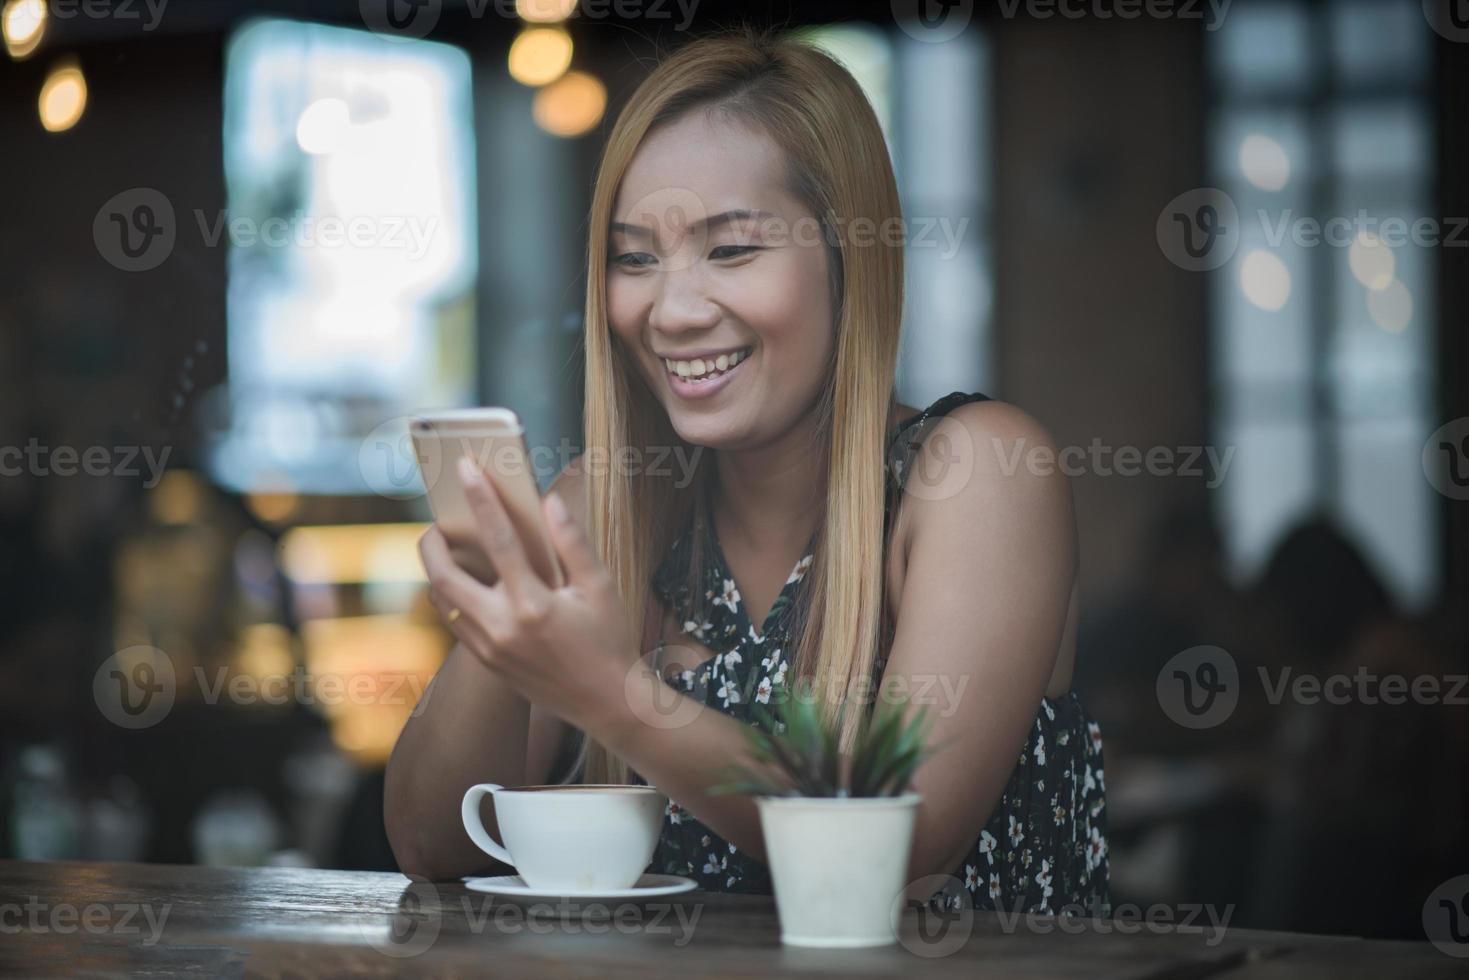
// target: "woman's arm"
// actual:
[[470, 727], [984, 609]]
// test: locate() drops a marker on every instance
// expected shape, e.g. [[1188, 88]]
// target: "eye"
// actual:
[[633, 260], [732, 251]]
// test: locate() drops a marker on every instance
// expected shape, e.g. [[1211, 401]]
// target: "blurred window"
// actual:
[[932, 101], [351, 227], [1321, 126]]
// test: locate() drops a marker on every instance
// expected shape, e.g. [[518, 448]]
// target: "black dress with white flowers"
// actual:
[[1043, 848]]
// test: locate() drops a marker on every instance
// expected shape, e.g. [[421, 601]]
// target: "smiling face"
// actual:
[[710, 254]]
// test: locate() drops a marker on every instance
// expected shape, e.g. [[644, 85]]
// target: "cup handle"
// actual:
[[469, 813]]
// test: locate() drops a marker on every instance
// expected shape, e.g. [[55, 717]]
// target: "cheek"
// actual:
[[625, 306], [790, 305]]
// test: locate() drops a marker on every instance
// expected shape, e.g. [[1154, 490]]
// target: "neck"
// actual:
[[770, 498]]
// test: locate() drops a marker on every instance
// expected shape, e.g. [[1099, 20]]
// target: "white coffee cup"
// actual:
[[576, 838]]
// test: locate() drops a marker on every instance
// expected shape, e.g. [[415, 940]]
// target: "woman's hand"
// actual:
[[568, 649]]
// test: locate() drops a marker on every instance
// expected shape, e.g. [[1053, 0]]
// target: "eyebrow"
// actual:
[[709, 223]]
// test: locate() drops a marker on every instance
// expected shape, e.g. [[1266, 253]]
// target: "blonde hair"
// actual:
[[814, 110]]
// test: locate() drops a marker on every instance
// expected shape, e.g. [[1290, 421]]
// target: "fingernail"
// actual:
[[557, 506], [469, 474]]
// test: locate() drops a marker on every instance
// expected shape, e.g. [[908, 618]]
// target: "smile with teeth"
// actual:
[[705, 369]]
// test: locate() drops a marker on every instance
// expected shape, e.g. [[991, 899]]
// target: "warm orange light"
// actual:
[[367, 674], [177, 499], [544, 11], [540, 55], [272, 506], [352, 553], [571, 106], [23, 22], [63, 98]]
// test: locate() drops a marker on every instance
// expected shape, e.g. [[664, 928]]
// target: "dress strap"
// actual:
[[909, 434]]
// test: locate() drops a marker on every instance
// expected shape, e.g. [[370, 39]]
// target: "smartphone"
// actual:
[[495, 440]]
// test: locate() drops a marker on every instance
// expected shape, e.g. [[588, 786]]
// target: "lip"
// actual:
[[704, 389]]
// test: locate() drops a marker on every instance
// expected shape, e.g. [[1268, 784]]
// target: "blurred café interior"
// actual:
[[204, 391]]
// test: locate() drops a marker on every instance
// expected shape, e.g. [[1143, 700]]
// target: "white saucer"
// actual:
[[648, 886]]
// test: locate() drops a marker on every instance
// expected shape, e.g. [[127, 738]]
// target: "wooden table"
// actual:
[[79, 919]]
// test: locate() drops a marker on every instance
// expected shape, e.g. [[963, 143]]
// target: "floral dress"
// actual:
[[1044, 846]]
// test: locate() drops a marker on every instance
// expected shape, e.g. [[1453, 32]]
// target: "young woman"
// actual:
[[744, 298]]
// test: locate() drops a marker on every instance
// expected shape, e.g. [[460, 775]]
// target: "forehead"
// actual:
[[721, 163]]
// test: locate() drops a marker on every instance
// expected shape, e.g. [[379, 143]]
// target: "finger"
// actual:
[[451, 587], [578, 558], [497, 535]]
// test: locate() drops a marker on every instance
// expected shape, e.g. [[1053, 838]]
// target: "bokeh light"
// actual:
[[63, 97], [1265, 280], [540, 55], [1371, 261], [23, 22], [544, 11], [1391, 308], [571, 106], [1264, 162]]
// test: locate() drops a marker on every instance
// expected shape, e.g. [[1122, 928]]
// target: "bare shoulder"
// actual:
[[991, 462]]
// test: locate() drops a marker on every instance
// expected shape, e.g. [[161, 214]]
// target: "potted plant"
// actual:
[[838, 829]]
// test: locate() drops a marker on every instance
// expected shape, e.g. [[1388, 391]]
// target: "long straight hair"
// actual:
[[838, 166]]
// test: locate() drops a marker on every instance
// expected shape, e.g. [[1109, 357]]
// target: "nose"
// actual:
[[682, 304]]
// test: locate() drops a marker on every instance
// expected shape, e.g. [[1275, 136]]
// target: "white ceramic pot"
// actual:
[[838, 865]]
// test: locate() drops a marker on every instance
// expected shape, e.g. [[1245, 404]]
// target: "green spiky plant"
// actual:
[[801, 757]]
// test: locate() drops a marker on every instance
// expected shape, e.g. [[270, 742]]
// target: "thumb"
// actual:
[[572, 547]]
